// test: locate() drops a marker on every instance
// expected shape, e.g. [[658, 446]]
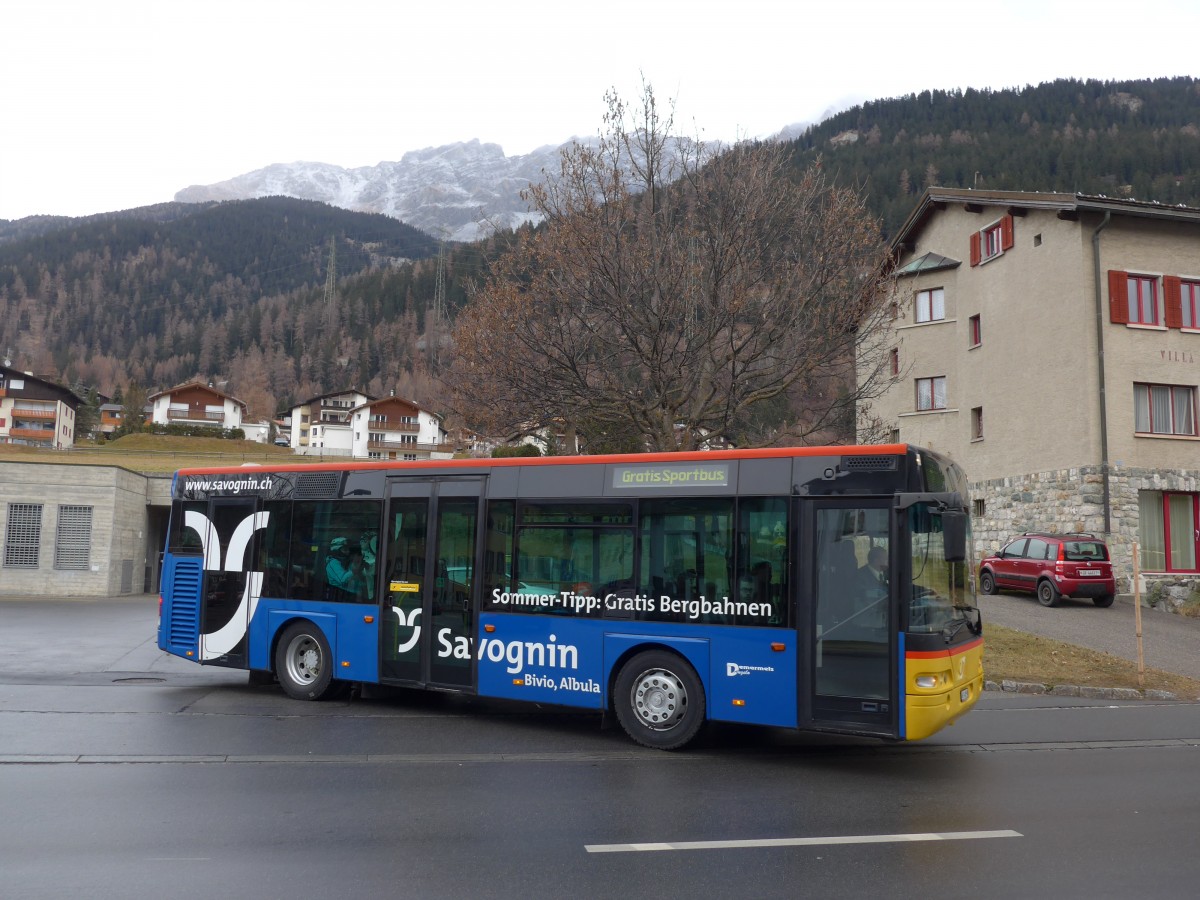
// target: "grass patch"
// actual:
[[1191, 606], [1016, 655]]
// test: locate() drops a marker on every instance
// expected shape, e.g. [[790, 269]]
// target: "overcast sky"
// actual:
[[112, 104]]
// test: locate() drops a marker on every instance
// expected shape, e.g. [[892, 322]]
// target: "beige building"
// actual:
[[1050, 343]]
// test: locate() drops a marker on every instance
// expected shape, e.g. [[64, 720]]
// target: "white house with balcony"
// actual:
[[34, 411], [395, 428], [196, 404], [320, 426]]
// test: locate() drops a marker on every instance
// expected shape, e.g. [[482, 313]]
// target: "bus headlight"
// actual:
[[927, 681]]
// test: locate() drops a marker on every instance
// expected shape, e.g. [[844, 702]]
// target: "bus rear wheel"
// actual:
[[303, 662], [659, 700]]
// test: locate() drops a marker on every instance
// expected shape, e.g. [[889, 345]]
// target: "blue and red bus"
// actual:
[[824, 589]]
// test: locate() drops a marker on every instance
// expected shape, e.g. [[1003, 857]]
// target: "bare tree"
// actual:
[[678, 294]]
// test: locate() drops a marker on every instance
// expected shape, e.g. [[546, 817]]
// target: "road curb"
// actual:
[[1075, 690]]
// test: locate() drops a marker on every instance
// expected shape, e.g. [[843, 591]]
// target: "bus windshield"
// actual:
[[942, 597]]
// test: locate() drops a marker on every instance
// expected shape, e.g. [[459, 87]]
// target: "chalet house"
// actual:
[[394, 428], [35, 411], [112, 417], [321, 425], [1050, 343], [196, 404]]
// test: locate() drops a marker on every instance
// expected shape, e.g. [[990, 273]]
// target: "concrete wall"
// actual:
[[129, 513]]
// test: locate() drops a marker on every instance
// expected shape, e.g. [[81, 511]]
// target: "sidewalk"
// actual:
[[96, 634]]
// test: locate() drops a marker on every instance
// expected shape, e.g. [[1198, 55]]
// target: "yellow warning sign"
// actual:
[[404, 587]]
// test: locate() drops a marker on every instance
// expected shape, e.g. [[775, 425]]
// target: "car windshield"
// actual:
[[942, 592]]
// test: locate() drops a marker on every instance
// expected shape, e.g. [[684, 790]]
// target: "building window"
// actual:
[[73, 538], [894, 436], [1142, 296], [1164, 409], [931, 392], [1190, 291], [894, 361], [978, 508], [1167, 521], [931, 305], [976, 331], [992, 241], [977, 423], [22, 537]]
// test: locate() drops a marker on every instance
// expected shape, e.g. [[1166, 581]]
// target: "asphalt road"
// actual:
[[1169, 642], [126, 773]]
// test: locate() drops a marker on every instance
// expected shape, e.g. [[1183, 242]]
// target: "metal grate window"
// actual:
[[73, 540], [22, 537]]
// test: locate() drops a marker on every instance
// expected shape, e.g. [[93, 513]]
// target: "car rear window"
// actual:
[[1080, 550]]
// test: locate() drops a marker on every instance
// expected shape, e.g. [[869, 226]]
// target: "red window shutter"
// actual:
[[975, 253], [1173, 294], [1006, 233], [1118, 296]]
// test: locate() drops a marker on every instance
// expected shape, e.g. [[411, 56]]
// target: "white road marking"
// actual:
[[804, 842]]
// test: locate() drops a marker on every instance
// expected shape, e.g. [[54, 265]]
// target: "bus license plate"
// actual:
[[1089, 572], [964, 695]]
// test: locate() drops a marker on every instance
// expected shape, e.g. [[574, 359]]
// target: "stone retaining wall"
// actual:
[[1067, 500]]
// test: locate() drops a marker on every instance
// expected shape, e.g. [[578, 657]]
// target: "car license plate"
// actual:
[[1083, 572]]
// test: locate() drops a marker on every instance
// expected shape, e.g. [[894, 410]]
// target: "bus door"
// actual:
[[428, 590], [852, 619], [232, 577]]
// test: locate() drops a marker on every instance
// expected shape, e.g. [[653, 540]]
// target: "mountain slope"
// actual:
[[1136, 139]]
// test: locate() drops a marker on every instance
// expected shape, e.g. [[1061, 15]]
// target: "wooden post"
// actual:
[[1137, 616]]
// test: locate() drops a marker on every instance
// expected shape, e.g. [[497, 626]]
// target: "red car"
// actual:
[[1052, 566]]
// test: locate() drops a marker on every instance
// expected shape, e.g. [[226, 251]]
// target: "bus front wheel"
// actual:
[[659, 700], [303, 662]]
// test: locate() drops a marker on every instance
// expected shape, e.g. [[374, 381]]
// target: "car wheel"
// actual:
[[987, 582], [659, 700], [303, 662], [1047, 593], [1103, 601]]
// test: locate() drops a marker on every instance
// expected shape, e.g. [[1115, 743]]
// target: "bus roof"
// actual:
[[627, 458]]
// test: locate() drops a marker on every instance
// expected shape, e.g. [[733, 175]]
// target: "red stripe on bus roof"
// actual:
[[687, 456]]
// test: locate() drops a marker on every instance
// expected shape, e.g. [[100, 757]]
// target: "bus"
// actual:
[[818, 588]]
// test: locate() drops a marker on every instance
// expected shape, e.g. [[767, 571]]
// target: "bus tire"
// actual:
[[659, 700], [303, 662]]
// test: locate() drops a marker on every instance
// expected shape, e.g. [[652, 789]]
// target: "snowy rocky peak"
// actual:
[[461, 192]]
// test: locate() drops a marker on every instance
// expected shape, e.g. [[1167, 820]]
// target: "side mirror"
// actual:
[[954, 535]]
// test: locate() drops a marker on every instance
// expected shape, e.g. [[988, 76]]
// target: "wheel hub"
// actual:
[[659, 699], [305, 662]]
